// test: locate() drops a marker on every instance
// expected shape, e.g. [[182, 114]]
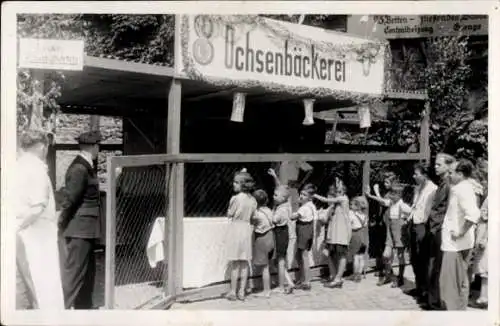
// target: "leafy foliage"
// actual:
[[455, 102], [142, 38]]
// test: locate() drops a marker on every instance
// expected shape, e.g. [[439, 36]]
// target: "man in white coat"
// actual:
[[37, 222], [458, 237]]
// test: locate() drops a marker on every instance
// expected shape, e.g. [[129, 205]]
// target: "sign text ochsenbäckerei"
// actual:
[[286, 63]]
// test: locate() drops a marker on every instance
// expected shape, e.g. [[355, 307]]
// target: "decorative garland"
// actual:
[[364, 51]]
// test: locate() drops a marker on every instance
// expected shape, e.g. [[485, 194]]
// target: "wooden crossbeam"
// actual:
[[406, 95], [157, 159], [75, 147], [128, 66], [211, 95]]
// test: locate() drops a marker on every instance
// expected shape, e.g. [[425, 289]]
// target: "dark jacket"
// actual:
[[439, 207], [80, 201]]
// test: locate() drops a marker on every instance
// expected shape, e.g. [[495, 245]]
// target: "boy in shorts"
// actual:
[[305, 217], [281, 220]]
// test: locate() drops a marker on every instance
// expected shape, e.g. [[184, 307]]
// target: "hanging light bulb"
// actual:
[[308, 112], [365, 120], [238, 107]]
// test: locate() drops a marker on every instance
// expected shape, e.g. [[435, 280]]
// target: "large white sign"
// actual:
[[51, 54], [395, 27], [262, 52]]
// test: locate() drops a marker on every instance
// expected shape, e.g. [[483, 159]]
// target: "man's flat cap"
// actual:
[[89, 138]]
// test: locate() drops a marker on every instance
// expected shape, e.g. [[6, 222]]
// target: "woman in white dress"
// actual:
[[37, 221]]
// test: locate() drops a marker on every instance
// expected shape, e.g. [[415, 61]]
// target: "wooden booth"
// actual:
[[244, 92]]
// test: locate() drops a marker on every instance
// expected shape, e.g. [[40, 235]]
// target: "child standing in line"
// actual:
[[338, 232], [281, 220], [305, 217], [263, 246], [331, 207], [359, 238], [242, 207], [395, 219]]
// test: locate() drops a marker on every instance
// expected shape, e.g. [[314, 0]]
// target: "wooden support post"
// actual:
[[37, 122], [366, 176], [95, 121], [169, 240], [109, 275], [174, 225], [51, 151], [424, 134], [36, 118]]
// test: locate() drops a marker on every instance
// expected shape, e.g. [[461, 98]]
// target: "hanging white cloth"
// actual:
[[365, 120], [35, 203], [154, 248]]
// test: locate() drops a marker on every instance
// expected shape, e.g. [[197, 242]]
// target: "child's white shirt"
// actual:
[[308, 212], [358, 220]]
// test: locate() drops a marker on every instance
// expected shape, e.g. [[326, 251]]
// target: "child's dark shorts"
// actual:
[[305, 235], [263, 248], [337, 250], [281, 238]]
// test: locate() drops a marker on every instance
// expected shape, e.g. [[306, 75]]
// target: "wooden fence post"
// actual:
[[424, 133], [109, 278], [174, 225]]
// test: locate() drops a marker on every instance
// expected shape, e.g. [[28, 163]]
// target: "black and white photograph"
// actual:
[[197, 156]]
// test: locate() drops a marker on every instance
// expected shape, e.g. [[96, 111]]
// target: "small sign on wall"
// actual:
[[51, 54]]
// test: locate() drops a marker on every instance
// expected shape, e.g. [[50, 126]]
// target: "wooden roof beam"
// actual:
[[128, 66]]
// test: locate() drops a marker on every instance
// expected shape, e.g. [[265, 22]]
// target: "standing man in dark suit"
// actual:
[[434, 226], [79, 223]]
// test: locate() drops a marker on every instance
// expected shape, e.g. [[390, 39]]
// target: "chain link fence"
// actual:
[[140, 208], [208, 186], [141, 198]]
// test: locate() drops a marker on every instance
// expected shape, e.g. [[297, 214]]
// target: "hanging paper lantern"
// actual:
[[238, 107], [308, 112], [365, 120], [366, 66]]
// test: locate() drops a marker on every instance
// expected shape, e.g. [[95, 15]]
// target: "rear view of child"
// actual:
[[305, 217], [395, 219], [281, 219], [338, 233], [242, 207], [263, 246], [359, 238], [324, 217]]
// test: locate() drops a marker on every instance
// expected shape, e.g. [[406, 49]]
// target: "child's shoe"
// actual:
[[335, 285], [288, 290], [398, 283], [303, 287], [383, 281], [265, 295], [230, 296]]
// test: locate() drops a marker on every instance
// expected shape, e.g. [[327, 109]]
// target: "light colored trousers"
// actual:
[[454, 280]]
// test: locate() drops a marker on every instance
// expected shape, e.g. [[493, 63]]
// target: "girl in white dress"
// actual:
[[242, 207]]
